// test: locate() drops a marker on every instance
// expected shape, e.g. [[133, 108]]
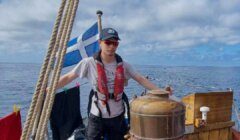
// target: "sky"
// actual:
[[152, 32]]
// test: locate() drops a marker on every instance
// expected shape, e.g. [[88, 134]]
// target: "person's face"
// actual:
[[109, 47]]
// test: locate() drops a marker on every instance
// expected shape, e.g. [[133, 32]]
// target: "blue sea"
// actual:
[[17, 83]]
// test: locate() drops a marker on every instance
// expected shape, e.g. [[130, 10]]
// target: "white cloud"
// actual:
[[154, 25], [25, 25], [230, 20]]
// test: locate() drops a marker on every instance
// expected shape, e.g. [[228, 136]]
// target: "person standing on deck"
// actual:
[[108, 74]]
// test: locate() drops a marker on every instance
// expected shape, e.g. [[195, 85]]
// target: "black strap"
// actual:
[[97, 57], [93, 93], [125, 99], [96, 103], [111, 95], [108, 109], [90, 102]]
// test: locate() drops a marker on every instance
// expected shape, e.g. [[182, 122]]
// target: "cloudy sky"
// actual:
[[157, 32]]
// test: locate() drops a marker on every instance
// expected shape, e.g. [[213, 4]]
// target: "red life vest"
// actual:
[[103, 93]]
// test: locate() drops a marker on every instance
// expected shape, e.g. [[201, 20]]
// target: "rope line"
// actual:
[[38, 109], [42, 116], [73, 4], [26, 130]]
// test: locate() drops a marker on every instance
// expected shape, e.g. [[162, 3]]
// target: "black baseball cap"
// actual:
[[109, 33]]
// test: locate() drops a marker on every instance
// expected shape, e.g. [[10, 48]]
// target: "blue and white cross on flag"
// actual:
[[83, 46]]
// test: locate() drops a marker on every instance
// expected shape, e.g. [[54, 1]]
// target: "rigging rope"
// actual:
[[62, 36], [38, 109], [43, 71], [57, 70]]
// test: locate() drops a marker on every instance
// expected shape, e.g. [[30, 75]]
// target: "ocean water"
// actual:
[[17, 83]]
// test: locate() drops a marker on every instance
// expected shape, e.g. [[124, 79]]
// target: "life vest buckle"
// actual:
[[111, 96]]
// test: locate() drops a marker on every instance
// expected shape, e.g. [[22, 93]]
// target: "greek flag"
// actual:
[[83, 46]]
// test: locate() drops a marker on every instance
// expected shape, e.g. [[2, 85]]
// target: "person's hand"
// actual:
[[169, 89]]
